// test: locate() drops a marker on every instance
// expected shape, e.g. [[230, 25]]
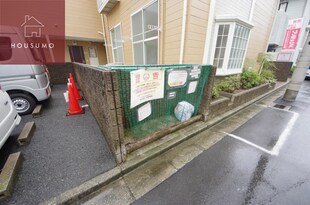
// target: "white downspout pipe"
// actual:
[[206, 53], [104, 38], [183, 31], [252, 11]]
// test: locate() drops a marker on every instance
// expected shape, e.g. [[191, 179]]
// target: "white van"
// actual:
[[26, 84], [8, 117]]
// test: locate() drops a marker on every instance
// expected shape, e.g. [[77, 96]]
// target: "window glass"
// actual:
[[150, 18], [237, 52], [5, 48], [117, 44], [145, 35], [221, 43], [138, 53], [151, 51], [137, 27], [120, 54]]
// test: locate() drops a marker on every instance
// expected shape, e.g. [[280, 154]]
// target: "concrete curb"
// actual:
[[77, 193], [9, 174], [26, 134], [37, 111]]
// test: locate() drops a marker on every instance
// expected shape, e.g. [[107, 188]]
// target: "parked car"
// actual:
[[26, 84], [9, 118], [308, 73]]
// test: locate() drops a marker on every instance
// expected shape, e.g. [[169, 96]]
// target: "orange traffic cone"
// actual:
[[75, 90], [74, 107]]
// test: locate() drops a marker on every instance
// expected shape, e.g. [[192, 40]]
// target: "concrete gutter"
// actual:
[[143, 155]]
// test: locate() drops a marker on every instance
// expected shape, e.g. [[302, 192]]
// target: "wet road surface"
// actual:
[[236, 172]]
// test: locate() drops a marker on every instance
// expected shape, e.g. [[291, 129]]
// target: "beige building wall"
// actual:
[[121, 13], [263, 17], [170, 21], [171, 25], [196, 28], [82, 20], [98, 45]]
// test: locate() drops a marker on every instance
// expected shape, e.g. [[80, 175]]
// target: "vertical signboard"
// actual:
[[146, 85], [292, 34]]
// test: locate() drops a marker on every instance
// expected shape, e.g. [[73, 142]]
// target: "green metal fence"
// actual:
[[182, 82]]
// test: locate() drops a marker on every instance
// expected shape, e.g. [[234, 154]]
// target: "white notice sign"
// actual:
[[177, 78], [192, 87], [146, 85], [144, 111]]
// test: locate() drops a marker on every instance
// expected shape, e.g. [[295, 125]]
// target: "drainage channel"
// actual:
[[283, 107]]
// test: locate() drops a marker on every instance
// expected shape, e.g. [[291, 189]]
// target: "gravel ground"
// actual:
[[63, 153]]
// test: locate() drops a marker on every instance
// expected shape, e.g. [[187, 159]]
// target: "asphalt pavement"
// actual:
[[63, 153], [264, 161]]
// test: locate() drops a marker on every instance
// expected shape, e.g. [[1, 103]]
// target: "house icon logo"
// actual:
[[32, 27]]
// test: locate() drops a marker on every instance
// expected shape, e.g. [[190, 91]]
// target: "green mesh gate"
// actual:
[[162, 110]]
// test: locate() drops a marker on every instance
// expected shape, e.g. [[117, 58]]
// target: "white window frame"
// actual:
[[232, 25], [122, 46], [148, 39]]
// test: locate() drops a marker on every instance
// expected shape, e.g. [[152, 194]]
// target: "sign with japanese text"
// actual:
[[292, 34], [146, 85]]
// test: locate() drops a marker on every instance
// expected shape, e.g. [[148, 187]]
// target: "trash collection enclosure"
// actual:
[[134, 105], [153, 96]]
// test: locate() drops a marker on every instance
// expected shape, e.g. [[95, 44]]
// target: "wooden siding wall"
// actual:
[[263, 17], [121, 13], [196, 28], [82, 19], [172, 30], [171, 16], [239, 8]]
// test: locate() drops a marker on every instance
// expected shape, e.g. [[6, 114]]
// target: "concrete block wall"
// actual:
[[59, 73], [282, 70], [100, 90], [206, 98]]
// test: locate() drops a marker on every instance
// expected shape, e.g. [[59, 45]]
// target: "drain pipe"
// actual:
[[104, 38], [183, 31]]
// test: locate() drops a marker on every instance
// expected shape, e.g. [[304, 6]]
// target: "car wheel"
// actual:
[[23, 103]]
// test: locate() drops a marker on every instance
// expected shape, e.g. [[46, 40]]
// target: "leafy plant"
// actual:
[[265, 62], [250, 79], [268, 76], [215, 92], [230, 84]]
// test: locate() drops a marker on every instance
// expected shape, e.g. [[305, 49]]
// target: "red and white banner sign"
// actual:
[[292, 34]]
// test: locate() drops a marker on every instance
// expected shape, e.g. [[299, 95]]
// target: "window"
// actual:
[[238, 47], [231, 39], [117, 44], [221, 43], [5, 48], [145, 35]]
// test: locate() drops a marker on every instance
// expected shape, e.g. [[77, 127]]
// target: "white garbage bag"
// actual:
[[184, 111]]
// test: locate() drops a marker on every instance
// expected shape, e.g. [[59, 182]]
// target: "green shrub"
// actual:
[[215, 92], [250, 79], [265, 62], [268, 76], [230, 84]]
